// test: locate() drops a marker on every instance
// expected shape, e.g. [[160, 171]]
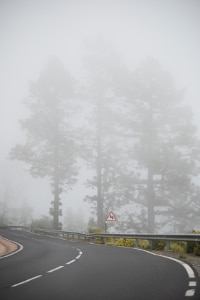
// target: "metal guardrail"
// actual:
[[91, 237]]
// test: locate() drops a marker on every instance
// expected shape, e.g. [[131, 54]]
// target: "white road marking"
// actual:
[[192, 283], [188, 269], [55, 269], [190, 293], [25, 281], [50, 271], [70, 262]]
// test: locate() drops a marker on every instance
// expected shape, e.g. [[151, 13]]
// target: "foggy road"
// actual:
[[51, 268]]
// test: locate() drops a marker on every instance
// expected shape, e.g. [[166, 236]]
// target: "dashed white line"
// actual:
[[25, 281], [192, 283], [50, 271], [190, 293], [55, 269]]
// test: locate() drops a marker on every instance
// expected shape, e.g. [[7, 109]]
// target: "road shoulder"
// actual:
[[7, 247]]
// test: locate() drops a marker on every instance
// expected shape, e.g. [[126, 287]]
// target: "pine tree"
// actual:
[[50, 148], [164, 144], [101, 144]]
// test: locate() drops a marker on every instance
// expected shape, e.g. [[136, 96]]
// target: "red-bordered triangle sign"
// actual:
[[111, 217]]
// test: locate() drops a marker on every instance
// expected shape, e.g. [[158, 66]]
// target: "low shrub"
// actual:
[[143, 244], [110, 241], [125, 242], [158, 245], [98, 240], [179, 247]]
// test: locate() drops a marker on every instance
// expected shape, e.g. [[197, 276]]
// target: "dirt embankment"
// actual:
[[6, 246]]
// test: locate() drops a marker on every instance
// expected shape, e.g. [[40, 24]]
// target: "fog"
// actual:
[[31, 31]]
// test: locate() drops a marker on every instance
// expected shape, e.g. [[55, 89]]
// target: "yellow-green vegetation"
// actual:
[[98, 240], [158, 245], [178, 247], [143, 244], [125, 242], [110, 241]]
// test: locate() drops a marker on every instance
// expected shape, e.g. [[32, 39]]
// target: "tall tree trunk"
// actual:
[[99, 188], [56, 205], [150, 183], [150, 201], [100, 221]]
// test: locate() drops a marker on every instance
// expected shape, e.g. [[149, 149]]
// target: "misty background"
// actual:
[[31, 32]]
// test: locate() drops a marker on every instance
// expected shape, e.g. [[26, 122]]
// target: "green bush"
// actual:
[[98, 240], [110, 241], [179, 247], [125, 242], [158, 245], [143, 244]]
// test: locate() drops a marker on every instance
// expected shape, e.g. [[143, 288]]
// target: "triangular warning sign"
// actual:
[[111, 217]]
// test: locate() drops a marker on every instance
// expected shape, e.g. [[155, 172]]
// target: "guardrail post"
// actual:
[[168, 245], [136, 243], [150, 244]]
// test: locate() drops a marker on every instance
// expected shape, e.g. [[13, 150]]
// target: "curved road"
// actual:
[[51, 268]]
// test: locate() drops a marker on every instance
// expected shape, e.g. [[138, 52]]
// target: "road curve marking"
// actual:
[[188, 269], [70, 262]]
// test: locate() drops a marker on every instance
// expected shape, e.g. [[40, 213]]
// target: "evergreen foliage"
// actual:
[[137, 137]]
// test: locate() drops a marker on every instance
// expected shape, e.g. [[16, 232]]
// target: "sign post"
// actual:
[[110, 218]]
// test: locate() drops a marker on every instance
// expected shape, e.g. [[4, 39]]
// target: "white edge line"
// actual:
[[55, 269], [70, 262], [22, 282], [14, 252], [188, 269], [190, 272]]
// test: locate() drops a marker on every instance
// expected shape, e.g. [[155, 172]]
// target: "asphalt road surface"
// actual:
[[52, 268]]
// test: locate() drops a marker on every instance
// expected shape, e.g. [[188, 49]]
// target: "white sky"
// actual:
[[33, 30]]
